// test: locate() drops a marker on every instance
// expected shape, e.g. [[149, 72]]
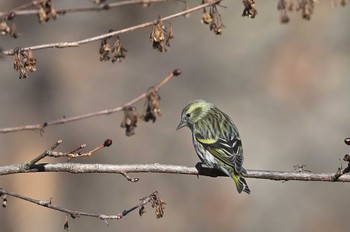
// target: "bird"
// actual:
[[215, 139]]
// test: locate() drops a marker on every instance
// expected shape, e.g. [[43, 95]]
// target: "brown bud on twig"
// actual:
[[177, 72], [107, 142], [347, 141]]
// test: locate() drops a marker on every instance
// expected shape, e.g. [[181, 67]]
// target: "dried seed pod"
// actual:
[[129, 121], [158, 204], [152, 105], [206, 18], [46, 11], [105, 48], [161, 35], [4, 28], [24, 61], [307, 8], [117, 49], [249, 9], [119, 52]]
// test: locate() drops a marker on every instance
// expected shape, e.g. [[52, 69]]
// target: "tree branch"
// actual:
[[41, 126], [79, 168], [153, 198], [101, 7], [11, 52]]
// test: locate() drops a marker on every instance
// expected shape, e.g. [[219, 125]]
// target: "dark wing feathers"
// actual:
[[228, 151]]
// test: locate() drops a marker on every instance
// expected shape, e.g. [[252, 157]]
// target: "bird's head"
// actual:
[[194, 112]]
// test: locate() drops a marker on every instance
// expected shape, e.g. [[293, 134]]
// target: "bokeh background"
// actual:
[[285, 86]]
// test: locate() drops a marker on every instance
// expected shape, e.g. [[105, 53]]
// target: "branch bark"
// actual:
[[79, 168]]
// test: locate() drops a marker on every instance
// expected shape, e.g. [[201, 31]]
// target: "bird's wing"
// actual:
[[229, 151]]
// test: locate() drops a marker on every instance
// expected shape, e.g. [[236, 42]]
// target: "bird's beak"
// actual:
[[181, 124]]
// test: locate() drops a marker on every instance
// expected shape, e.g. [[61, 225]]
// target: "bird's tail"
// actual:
[[240, 182]]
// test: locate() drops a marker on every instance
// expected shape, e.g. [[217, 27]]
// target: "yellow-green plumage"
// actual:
[[215, 139]]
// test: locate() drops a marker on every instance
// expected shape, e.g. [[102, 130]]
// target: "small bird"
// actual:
[[215, 139]]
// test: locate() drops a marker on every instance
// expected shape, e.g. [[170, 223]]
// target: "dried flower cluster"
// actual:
[[157, 203], [161, 35], [24, 62], [152, 105], [129, 121], [46, 11], [4, 200], [8, 28], [342, 2], [249, 9], [283, 6], [151, 110], [213, 19], [112, 45], [306, 7]]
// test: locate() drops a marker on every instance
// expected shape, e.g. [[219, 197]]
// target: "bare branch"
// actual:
[[153, 197], [42, 155], [101, 7], [113, 33], [78, 168], [41, 126]]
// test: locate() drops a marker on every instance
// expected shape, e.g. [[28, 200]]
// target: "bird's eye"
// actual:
[[188, 115]]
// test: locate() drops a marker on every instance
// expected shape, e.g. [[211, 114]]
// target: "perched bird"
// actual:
[[216, 140]]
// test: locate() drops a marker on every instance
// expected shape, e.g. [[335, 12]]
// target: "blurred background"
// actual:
[[285, 86]]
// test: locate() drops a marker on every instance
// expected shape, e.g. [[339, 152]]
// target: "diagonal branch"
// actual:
[[78, 168], [41, 126], [113, 33]]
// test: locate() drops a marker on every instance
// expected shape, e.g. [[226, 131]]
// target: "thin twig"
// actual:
[[41, 126], [71, 154], [78, 168], [113, 33], [102, 7], [129, 178], [19, 9], [75, 213], [42, 155]]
